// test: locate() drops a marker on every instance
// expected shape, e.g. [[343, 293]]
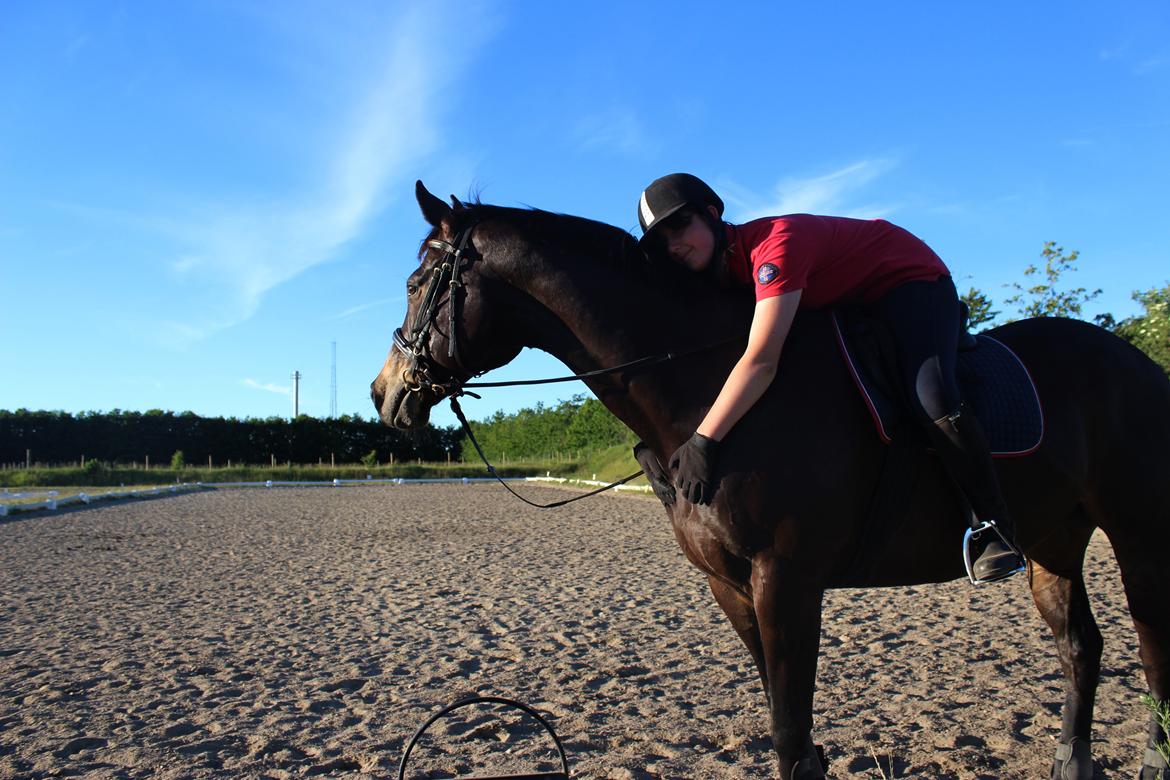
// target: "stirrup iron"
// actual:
[[975, 535]]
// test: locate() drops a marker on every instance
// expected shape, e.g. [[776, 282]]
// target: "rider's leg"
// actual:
[[924, 320], [963, 449]]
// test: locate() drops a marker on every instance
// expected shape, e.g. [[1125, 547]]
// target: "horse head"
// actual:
[[455, 326]]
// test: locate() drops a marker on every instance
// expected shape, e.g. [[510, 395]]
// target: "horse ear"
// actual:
[[434, 210], [456, 203]]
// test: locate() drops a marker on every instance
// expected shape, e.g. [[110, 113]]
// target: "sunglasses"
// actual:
[[678, 220]]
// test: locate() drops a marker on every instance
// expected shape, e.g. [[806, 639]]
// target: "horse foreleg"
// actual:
[[742, 615], [1064, 605], [788, 612]]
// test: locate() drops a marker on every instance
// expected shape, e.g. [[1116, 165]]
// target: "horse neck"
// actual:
[[592, 316]]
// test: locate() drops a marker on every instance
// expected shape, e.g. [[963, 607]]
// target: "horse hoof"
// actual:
[[1154, 767], [1074, 761], [807, 770], [811, 766]]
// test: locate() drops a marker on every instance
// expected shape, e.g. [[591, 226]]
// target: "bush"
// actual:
[[123, 437], [1161, 712], [370, 458], [177, 460]]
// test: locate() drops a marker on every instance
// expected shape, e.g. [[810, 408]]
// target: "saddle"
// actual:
[[993, 381]]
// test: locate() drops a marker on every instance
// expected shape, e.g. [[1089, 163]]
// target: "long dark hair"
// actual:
[[718, 268], [655, 248]]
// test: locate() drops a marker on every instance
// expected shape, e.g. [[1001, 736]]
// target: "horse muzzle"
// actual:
[[403, 401]]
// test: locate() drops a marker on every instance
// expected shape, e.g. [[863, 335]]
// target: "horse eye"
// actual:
[[411, 288]]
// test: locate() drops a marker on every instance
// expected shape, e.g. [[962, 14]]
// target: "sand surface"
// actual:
[[308, 632]]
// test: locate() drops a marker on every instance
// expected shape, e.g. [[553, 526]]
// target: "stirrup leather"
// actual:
[[975, 535]]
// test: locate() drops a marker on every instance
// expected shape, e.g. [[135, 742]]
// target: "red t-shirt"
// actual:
[[835, 260]]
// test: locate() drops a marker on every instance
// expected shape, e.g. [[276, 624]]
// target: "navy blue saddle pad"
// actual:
[[993, 381]]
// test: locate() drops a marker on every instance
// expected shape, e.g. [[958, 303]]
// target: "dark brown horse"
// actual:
[[797, 473]]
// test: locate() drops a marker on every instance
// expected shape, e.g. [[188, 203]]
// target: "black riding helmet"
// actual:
[[670, 194]]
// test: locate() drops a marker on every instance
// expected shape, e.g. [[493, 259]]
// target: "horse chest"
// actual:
[[713, 542]]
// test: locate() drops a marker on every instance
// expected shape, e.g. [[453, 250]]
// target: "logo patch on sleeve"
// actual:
[[766, 273]]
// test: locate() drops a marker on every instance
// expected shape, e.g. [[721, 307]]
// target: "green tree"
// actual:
[[978, 308], [1150, 330], [370, 459], [177, 460], [595, 427], [578, 424], [1044, 298]]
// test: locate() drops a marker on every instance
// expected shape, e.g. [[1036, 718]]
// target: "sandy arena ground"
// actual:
[[309, 632]]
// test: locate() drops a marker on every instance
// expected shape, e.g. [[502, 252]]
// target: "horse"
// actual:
[[796, 474]]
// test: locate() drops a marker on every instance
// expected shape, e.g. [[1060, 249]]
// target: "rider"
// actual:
[[802, 260]]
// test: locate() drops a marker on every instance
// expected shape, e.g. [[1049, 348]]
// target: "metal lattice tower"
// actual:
[[333, 384]]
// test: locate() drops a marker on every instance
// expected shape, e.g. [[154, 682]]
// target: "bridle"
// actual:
[[418, 376]]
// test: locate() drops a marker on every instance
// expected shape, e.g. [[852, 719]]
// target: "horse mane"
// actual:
[[602, 243]]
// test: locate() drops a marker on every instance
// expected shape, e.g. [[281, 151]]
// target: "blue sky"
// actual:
[[197, 198]]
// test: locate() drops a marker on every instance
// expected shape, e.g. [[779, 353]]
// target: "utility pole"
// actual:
[[333, 385], [296, 378]]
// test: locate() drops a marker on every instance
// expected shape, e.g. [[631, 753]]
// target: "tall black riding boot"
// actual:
[[967, 458]]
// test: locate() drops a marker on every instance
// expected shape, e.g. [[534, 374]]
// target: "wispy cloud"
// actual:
[[616, 129], [363, 307], [244, 252], [1157, 62], [1139, 60], [75, 45], [835, 192], [268, 387]]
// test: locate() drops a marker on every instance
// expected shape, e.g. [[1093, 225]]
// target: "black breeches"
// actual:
[[924, 320]]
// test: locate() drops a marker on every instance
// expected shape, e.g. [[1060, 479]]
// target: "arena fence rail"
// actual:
[[11, 503]]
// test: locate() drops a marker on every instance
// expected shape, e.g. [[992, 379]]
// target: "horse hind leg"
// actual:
[[1149, 608], [1064, 604], [1147, 590]]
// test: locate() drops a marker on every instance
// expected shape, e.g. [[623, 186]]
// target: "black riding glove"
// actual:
[[655, 474], [694, 467]]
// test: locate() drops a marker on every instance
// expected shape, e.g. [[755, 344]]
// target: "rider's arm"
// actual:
[[755, 370]]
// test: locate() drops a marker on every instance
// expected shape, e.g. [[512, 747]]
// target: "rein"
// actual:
[[417, 377], [492, 470], [643, 362]]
